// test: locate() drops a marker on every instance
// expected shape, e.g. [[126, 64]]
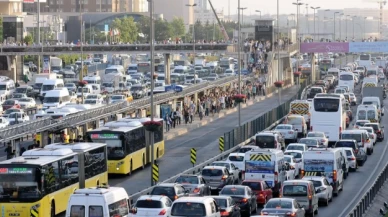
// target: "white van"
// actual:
[[110, 201], [56, 98], [325, 162], [132, 69], [372, 100], [50, 84], [7, 87], [87, 89], [302, 191], [203, 206], [92, 79], [368, 112], [115, 69], [347, 79], [267, 165]]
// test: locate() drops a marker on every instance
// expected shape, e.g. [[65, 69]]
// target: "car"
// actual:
[[152, 205], [217, 177], [243, 196], [171, 190], [138, 91], [298, 156], [27, 102], [284, 207], [360, 123], [10, 103], [288, 131], [372, 134], [97, 97], [25, 89], [238, 159], [320, 136], [71, 87], [18, 95], [353, 99], [261, 188], [297, 146], [344, 163], [246, 148], [310, 142], [227, 205], [351, 157], [361, 157], [295, 165], [379, 130], [117, 98], [17, 117], [323, 189], [233, 170], [194, 184], [347, 143], [4, 122]]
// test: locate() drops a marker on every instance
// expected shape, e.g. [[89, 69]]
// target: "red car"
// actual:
[[262, 190], [10, 103]]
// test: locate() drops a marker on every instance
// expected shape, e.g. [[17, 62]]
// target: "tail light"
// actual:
[[302, 173], [351, 158], [311, 128], [334, 175], [175, 197], [264, 213], [276, 144], [224, 213], [244, 200], [291, 214], [196, 190], [163, 212], [276, 177], [378, 132], [224, 177]]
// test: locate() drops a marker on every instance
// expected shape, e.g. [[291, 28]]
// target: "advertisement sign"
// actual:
[[318, 165], [324, 47], [259, 167], [46, 64], [368, 47], [264, 32]]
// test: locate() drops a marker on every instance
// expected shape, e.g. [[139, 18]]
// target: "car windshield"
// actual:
[[361, 123], [117, 97], [319, 135], [90, 101], [69, 85], [9, 102], [187, 180], [25, 100], [47, 87], [51, 99], [278, 204], [256, 186], [295, 147], [344, 144], [374, 126], [21, 90], [9, 111], [107, 84], [326, 104], [188, 209], [236, 158], [352, 136], [283, 127], [15, 115], [133, 88], [211, 172], [221, 202], [295, 154], [295, 190], [149, 204], [232, 191], [368, 129], [161, 190], [349, 153], [309, 142], [92, 97], [316, 183], [17, 96]]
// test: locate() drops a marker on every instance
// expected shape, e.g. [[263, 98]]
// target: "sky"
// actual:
[[286, 6]]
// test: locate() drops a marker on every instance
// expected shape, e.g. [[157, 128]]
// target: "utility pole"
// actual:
[[314, 8], [239, 61], [38, 37], [152, 31], [307, 19]]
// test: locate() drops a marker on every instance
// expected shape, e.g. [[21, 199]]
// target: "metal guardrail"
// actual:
[[20, 130]]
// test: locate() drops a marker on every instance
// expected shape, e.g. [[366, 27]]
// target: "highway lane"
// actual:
[[204, 139]]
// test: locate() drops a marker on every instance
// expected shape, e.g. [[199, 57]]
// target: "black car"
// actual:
[[171, 190], [227, 205], [361, 157], [28, 90], [347, 143], [377, 129], [243, 196]]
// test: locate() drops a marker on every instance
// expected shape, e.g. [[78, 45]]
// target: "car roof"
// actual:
[[152, 197], [315, 178], [214, 167], [298, 151], [297, 144]]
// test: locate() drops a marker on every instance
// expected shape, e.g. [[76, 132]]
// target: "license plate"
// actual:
[[213, 188]]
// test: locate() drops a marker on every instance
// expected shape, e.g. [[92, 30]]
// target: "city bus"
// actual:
[[126, 139], [328, 115], [40, 182], [144, 67]]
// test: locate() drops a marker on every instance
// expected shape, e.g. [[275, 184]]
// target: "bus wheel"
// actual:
[[52, 211]]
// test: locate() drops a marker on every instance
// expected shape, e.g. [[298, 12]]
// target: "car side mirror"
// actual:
[[134, 210]]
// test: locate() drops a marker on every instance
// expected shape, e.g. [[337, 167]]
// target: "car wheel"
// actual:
[[368, 152], [361, 163], [316, 211]]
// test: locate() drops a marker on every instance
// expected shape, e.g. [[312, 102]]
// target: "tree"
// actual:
[[28, 39], [143, 25], [94, 35], [163, 30], [177, 27], [127, 28]]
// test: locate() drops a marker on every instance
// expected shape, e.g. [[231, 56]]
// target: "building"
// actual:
[[202, 4], [205, 16], [66, 6], [175, 8], [12, 7]]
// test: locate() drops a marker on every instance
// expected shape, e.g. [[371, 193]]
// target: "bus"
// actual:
[[325, 64], [126, 139], [328, 115], [40, 182], [365, 60], [347, 79], [144, 67]]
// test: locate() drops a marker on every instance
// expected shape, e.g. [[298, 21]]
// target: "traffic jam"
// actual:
[[292, 170]]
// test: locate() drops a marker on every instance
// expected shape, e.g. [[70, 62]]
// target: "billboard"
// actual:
[[368, 47], [324, 47], [46, 64]]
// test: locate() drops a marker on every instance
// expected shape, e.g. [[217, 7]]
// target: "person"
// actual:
[[8, 150], [254, 91], [22, 150], [200, 111]]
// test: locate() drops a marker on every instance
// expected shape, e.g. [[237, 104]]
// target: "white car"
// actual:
[[238, 159], [372, 134], [235, 171], [353, 99], [152, 205], [320, 136], [351, 158], [294, 167], [27, 102], [288, 131], [360, 123], [3, 122], [323, 189], [246, 148], [17, 117], [97, 97], [297, 146], [298, 156]]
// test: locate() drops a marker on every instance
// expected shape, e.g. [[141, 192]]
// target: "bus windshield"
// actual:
[[19, 184], [346, 77], [364, 57], [326, 105]]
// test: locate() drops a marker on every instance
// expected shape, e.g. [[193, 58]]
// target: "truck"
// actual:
[[374, 91], [55, 64]]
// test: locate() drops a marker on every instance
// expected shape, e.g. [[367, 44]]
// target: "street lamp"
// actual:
[[346, 28], [298, 4], [242, 14], [259, 12], [315, 8], [340, 23], [353, 19], [324, 19], [365, 28], [334, 25], [193, 5], [239, 59]]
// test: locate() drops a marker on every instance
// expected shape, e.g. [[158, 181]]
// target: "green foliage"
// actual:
[[143, 25], [94, 34], [163, 30], [177, 27], [28, 39], [70, 58], [128, 29]]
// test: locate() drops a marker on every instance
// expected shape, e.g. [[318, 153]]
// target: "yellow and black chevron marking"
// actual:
[[373, 120], [193, 156], [370, 85], [34, 212], [222, 143], [155, 172], [300, 108], [260, 157], [314, 173]]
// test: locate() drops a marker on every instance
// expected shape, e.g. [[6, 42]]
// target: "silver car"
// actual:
[[194, 184], [288, 131], [217, 177], [233, 170], [283, 207], [323, 189]]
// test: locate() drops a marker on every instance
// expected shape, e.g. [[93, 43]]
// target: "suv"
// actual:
[[217, 177], [270, 139], [379, 130], [171, 190]]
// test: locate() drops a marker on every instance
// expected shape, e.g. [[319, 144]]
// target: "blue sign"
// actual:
[[368, 47], [173, 87], [260, 167], [165, 110], [106, 28]]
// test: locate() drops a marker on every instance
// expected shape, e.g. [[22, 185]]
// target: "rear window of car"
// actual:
[[295, 190], [309, 142], [236, 158], [356, 137], [153, 204], [345, 144], [374, 126], [265, 141], [348, 153], [256, 186], [159, 190], [295, 147], [188, 209], [212, 172]]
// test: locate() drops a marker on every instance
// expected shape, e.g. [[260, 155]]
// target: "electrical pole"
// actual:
[[239, 61], [151, 8], [38, 37]]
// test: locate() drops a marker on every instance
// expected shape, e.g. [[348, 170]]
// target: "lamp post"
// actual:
[[195, 79], [353, 19], [365, 28], [38, 36], [239, 60], [340, 23], [307, 19], [324, 18], [335, 39], [298, 4], [314, 8], [242, 14], [346, 28], [259, 12], [280, 72]]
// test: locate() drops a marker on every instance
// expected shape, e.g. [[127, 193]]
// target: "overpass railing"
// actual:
[[20, 130]]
